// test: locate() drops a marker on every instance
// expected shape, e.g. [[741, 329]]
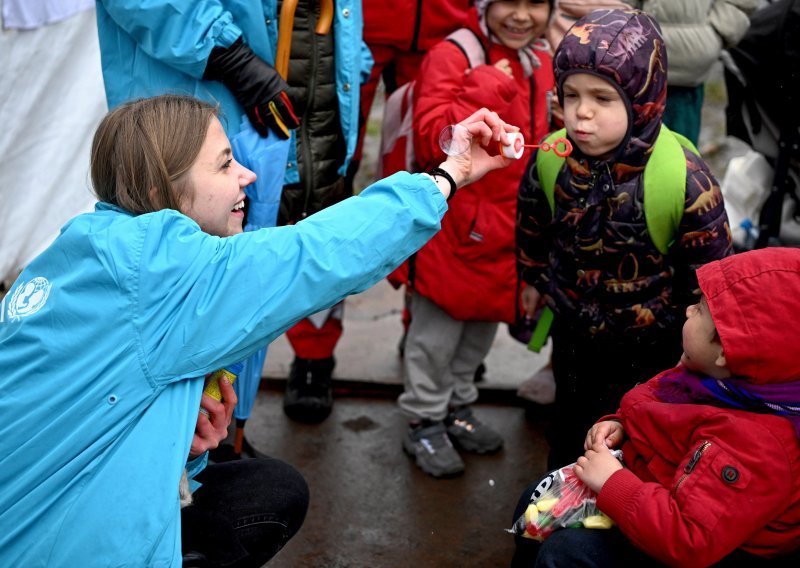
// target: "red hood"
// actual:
[[754, 298]]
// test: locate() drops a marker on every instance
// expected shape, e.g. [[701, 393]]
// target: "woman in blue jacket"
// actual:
[[107, 336]]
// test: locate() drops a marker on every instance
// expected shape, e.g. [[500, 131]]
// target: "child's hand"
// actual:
[[530, 299], [504, 65], [596, 466], [609, 432]]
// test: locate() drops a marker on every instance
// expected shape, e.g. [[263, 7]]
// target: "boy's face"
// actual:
[[594, 114], [702, 349], [216, 182], [516, 23]]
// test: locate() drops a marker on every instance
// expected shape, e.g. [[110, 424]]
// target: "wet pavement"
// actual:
[[372, 507]]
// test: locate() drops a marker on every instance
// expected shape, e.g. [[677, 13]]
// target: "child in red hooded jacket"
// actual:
[[465, 278], [711, 448]]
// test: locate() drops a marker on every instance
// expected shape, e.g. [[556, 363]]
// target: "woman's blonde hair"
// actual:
[[142, 149]]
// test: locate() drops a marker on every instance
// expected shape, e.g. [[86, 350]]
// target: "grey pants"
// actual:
[[441, 355]]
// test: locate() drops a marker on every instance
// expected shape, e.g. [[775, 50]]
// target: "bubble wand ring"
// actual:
[[546, 147], [561, 147]]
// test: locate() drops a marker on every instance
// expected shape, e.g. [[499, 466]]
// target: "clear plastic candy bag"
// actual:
[[561, 500]]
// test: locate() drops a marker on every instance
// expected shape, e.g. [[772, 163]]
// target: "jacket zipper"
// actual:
[[308, 179], [689, 467]]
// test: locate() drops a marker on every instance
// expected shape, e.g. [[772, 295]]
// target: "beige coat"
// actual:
[[696, 32]]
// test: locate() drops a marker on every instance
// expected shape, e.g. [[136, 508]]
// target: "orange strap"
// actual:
[[325, 17], [285, 26]]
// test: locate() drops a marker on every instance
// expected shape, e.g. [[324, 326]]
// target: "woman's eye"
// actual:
[[227, 163]]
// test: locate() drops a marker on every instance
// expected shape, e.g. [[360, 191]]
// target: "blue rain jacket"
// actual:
[[105, 339], [161, 46]]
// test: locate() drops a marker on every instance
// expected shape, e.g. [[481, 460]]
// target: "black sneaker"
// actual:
[[309, 390], [431, 447], [470, 434]]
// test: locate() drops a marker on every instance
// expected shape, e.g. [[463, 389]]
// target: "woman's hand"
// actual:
[[596, 466], [212, 429], [609, 433], [483, 129], [530, 299]]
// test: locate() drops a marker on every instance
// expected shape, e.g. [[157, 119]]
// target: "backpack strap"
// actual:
[[470, 45], [665, 187], [548, 164]]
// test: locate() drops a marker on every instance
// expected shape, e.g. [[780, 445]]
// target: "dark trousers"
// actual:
[[591, 376], [244, 513], [598, 548]]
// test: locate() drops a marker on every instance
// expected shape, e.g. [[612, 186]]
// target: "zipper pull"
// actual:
[[695, 458]]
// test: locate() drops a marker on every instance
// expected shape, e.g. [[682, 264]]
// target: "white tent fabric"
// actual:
[[51, 100], [32, 14]]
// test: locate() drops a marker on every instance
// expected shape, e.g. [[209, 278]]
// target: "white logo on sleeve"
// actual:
[[29, 298]]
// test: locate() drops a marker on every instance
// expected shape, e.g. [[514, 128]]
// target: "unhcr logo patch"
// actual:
[[29, 298]]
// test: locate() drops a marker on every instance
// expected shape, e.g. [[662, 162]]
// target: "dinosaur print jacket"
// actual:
[[592, 259]]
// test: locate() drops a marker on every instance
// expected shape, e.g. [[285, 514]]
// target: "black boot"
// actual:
[[309, 390]]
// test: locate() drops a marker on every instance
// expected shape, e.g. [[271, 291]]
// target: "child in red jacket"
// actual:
[[464, 279], [711, 448]]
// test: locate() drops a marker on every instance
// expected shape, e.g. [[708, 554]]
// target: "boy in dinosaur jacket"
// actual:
[[711, 448], [618, 301]]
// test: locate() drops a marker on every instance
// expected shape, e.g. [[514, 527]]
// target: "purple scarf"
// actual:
[[680, 386]]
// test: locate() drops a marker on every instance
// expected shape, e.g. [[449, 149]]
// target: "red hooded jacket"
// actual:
[[743, 489], [468, 269]]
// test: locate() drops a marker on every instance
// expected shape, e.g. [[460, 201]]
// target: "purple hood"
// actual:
[[625, 47]]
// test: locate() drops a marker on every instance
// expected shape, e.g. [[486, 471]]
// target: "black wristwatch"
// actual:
[[440, 172]]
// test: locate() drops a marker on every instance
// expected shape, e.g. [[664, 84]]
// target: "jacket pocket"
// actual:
[[479, 231], [709, 482]]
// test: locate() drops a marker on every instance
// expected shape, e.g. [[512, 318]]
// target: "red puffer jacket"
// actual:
[[702, 481], [411, 25], [468, 269]]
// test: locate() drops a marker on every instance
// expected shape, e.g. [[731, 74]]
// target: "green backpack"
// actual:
[[663, 210]]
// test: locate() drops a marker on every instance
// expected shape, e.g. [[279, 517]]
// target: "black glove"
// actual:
[[256, 85]]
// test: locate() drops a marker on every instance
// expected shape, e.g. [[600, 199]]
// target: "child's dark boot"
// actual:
[[309, 390]]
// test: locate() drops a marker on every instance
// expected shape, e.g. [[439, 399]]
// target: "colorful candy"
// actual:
[[565, 503]]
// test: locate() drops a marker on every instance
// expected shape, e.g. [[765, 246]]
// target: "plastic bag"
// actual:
[[561, 500]]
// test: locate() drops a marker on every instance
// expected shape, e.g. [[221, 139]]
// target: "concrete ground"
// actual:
[[370, 505]]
